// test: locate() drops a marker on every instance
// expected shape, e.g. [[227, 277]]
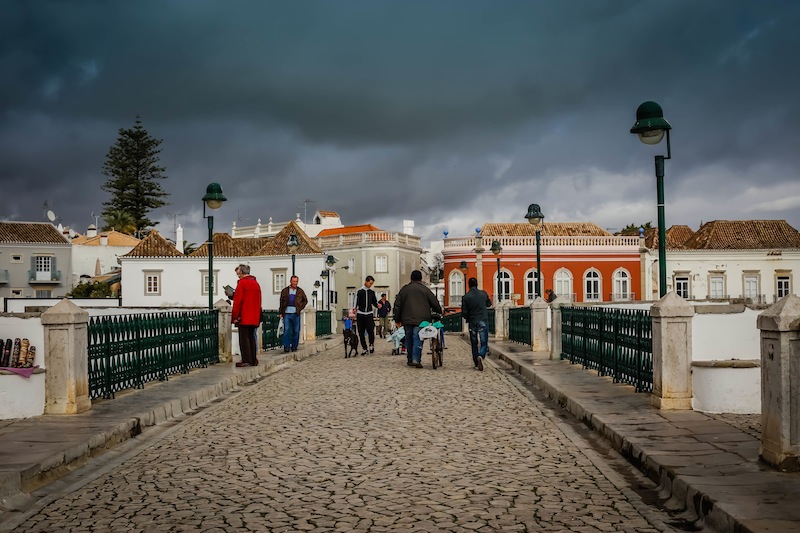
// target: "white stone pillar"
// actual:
[[308, 317], [225, 334], [672, 352], [780, 383], [501, 320], [66, 359], [539, 309]]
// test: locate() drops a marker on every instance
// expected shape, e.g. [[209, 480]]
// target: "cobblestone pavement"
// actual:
[[361, 444]]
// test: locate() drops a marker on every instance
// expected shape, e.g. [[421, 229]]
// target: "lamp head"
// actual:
[[496, 248], [463, 267], [293, 243], [214, 196], [316, 284], [323, 274], [650, 123], [534, 214], [330, 260]]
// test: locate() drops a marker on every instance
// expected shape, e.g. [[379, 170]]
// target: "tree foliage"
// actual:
[[121, 221], [134, 173], [91, 290], [633, 229]]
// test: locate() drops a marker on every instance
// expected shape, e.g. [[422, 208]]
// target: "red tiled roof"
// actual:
[[345, 230], [277, 244], [25, 232], [328, 214], [115, 238], [744, 235], [154, 245], [676, 237], [224, 246], [556, 229]]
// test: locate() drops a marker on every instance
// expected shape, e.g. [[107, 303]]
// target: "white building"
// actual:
[[95, 254], [756, 260], [321, 220], [155, 273]]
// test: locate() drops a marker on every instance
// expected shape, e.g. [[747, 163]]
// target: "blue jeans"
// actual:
[[413, 344], [478, 332], [291, 330]]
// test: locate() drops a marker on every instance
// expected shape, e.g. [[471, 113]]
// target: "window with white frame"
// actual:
[[563, 283], [456, 291], [43, 293], [591, 283], [381, 263], [17, 293], [506, 285], [351, 299], [278, 281], [204, 287], [622, 286], [16, 258], [682, 286], [530, 286], [783, 285], [351, 265], [716, 286], [152, 282], [751, 289]]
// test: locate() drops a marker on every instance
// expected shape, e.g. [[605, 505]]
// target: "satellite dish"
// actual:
[[51, 216]]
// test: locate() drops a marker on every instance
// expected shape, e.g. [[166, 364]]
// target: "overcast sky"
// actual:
[[449, 113]]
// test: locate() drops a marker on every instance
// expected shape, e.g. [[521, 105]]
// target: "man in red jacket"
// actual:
[[246, 314]]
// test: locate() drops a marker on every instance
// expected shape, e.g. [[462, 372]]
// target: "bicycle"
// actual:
[[434, 332]]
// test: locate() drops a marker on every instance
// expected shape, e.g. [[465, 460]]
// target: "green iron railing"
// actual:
[[127, 351], [615, 342], [269, 329], [519, 324], [323, 323], [453, 323], [491, 321]]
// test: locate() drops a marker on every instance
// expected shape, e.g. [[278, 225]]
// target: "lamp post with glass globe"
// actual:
[[497, 250], [536, 218], [213, 200], [293, 244], [651, 126]]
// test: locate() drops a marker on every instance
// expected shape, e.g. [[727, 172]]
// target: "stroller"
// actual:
[[398, 338]]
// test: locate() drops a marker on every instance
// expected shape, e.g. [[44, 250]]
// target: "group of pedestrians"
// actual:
[[414, 304]]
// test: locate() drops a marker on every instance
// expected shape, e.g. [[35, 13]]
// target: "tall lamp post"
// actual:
[[213, 199], [329, 262], [315, 293], [650, 126], [536, 218], [497, 250], [324, 276], [293, 244]]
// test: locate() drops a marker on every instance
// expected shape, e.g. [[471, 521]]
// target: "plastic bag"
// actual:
[[428, 332]]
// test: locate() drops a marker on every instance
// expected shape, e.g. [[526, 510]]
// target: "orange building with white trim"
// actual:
[[580, 262]]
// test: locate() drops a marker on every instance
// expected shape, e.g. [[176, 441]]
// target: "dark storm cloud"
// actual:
[[384, 111]]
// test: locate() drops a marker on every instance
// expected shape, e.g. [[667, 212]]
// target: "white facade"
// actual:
[[318, 223], [762, 276], [181, 281], [87, 260]]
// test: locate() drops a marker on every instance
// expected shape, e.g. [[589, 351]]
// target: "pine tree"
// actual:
[[133, 171]]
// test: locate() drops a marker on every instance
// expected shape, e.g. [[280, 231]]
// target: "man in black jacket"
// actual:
[[412, 306], [366, 304], [474, 310]]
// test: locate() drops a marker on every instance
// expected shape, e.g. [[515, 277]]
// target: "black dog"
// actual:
[[350, 343]]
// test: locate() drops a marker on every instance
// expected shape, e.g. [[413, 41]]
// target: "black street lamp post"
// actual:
[[651, 126], [315, 293], [213, 199], [497, 250], [324, 276], [536, 218], [293, 244]]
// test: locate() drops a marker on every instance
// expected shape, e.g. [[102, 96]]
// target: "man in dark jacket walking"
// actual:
[[413, 306], [246, 314], [474, 310], [292, 301], [366, 304]]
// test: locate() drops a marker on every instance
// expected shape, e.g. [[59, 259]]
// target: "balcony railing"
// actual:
[[367, 237], [623, 297], [528, 241], [35, 276], [754, 298]]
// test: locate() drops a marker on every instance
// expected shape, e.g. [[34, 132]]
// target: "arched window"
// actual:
[[456, 291], [506, 285], [530, 286], [563, 284], [592, 286], [622, 285]]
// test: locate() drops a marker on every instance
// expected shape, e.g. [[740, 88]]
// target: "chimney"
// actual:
[[408, 227], [104, 239], [179, 238], [91, 231]]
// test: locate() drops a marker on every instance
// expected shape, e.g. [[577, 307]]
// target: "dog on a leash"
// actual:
[[350, 343]]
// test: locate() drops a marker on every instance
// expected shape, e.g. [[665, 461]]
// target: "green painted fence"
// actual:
[[269, 329], [323, 323], [519, 324], [615, 342], [453, 323], [491, 321], [127, 351]]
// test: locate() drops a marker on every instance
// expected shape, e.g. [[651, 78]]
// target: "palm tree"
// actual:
[[121, 221], [189, 247]]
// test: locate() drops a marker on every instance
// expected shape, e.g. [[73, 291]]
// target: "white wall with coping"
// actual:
[[23, 397], [18, 305]]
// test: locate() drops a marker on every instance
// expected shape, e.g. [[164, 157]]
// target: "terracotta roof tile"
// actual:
[[347, 230], [251, 245], [115, 238], [677, 236], [224, 246], [24, 232], [154, 245], [277, 244], [329, 214], [744, 235], [555, 229]]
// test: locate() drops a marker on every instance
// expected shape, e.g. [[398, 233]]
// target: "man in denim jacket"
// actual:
[[473, 310]]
